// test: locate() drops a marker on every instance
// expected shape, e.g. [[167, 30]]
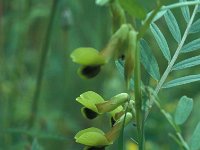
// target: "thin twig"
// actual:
[[45, 49]]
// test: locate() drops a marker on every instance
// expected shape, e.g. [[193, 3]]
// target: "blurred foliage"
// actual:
[[23, 25]]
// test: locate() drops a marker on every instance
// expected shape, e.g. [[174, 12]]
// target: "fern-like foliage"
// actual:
[[149, 61]]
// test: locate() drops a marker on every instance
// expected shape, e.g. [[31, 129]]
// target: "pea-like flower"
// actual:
[[96, 139], [89, 59], [92, 137], [95, 105]]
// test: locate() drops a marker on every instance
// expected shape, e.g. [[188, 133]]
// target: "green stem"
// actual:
[[178, 134], [146, 24], [138, 99], [45, 49], [118, 15]]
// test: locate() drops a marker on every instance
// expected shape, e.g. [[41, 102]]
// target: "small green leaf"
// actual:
[[173, 25], [149, 61], [90, 99], [190, 62], [182, 80], [92, 137], [194, 141], [87, 56], [192, 46], [160, 39], [183, 110], [134, 8], [195, 27], [102, 2], [185, 11]]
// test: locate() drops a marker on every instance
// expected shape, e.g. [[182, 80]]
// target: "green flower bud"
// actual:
[[113, 134], [129, 56], [92, 137], [117, 42], [113, 103], [116, 114]]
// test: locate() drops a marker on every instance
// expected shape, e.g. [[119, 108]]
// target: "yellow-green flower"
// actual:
[[92, 137], [89, 59], [95, 105], [89, 100]]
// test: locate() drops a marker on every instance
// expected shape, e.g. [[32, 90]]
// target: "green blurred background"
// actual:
[[23, 25]]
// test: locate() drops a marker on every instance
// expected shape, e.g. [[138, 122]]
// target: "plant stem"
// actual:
[[178, 134], [169, 67], [146, 24], [44, 50], [118, 15], [138, 99]]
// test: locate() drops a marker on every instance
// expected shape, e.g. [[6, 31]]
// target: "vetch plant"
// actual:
[[129, 48]]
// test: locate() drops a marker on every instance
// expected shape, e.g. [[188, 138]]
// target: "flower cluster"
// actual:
[[122, 43], [94, 105]]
